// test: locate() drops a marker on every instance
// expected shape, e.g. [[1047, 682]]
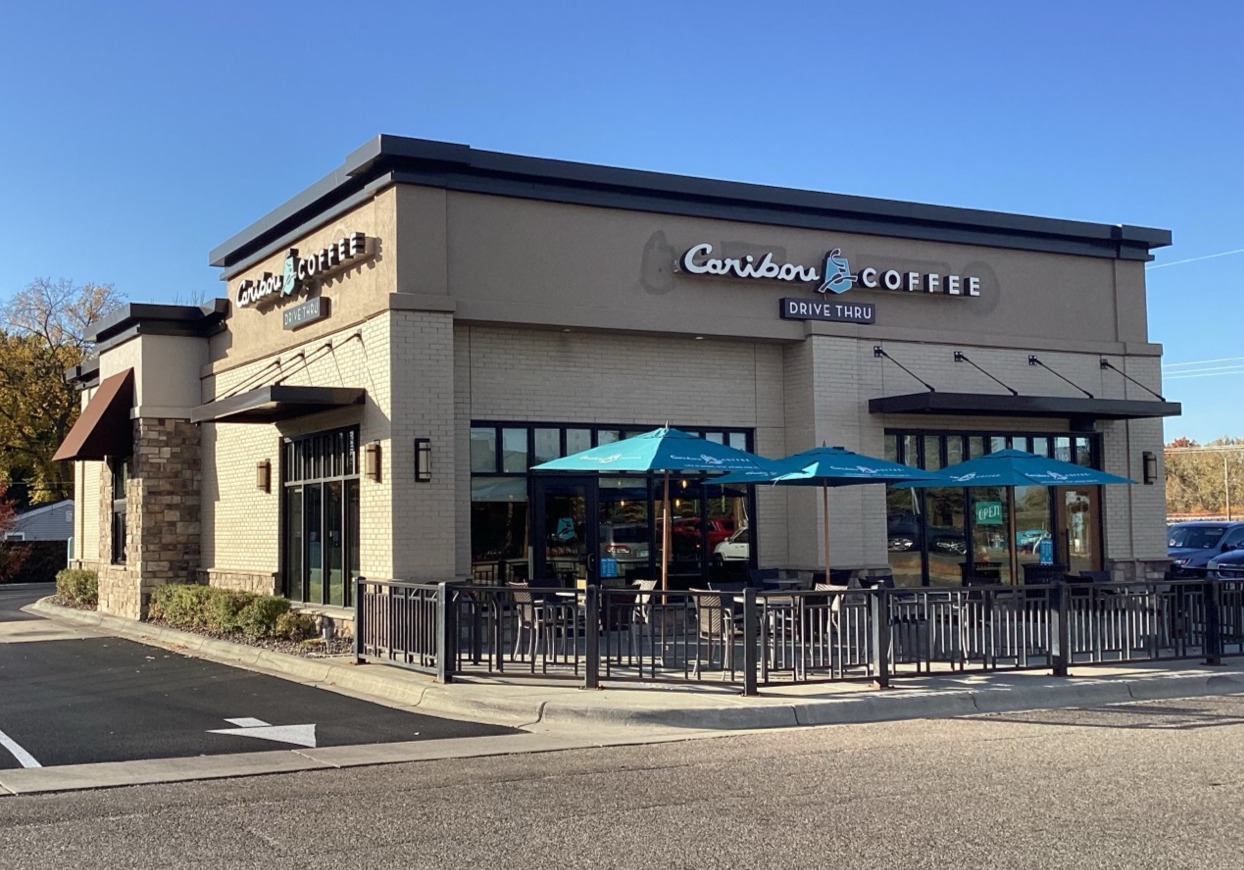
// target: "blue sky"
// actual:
[[135, 137]]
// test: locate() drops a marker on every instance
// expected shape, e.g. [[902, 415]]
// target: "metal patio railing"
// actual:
[[751, 638]]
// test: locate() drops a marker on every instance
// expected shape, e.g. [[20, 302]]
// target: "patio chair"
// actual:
[[829, 630], [641, 622], [716, 625], [540, 621]]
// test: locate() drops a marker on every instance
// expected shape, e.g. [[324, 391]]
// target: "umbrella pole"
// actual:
[[825, 528], [1010, 527], [665, 536]]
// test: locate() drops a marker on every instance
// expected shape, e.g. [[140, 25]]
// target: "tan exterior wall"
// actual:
[[526, 375], [550, 264], [240, 522], [355, 294]]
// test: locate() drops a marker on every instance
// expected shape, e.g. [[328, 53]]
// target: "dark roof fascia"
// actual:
[[85, 373], [316, 220], [1002, 405], [460, 167], [143, 318], [276, 402]]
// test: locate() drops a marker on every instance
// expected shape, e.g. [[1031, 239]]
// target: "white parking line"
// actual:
[[24, 758]]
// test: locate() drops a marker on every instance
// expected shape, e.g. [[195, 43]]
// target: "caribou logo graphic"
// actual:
[[838, 277]]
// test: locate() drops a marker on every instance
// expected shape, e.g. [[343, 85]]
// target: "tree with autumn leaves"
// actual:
[[43, 333], [1205, 479]]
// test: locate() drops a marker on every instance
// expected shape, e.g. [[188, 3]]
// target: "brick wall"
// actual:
[[240, 522]]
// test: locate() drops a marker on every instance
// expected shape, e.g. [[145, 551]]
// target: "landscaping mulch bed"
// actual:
[[315, 648]]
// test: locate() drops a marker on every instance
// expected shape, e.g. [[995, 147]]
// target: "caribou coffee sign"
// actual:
[[834, 276], [301, 272]]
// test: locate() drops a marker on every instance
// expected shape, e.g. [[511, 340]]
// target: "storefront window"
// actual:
[[703, 516], [514, 451], [548, 444], [938, 536], [483, 451], [120, 468], [321, 518]]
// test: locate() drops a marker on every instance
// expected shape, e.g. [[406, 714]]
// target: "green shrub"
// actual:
[[183, 605], [224, 609], [195, 606], [79, 586], [295, 626], [260, 616]]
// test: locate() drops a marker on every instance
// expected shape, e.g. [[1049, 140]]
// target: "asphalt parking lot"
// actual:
[[96, 699]]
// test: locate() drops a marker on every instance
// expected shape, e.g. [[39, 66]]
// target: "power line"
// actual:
[[1201, 362], [1194, 259], [1180, 376]]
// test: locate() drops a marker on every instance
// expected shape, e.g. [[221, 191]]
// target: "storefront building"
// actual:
[[403, 340]]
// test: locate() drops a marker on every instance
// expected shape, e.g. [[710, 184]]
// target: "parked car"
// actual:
[[736, 548], [1191, 545], [626, 542], [903, 533], [1227, 566], [717, 529]]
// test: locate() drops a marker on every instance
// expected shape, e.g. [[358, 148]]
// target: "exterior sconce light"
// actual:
[[1151, 467], [263, 476], [371, 460], [423, 459]]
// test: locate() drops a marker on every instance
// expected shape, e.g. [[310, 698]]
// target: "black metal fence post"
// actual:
[[1211, 594], [1060, 628], [359, 585], [879, 606], [446, 633], [591, 615], [751, 625]]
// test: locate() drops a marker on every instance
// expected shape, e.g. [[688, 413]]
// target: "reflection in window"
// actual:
[[936, 536], [501, 519], [548, 445], [514, 450], [483, 450], [321, 517]]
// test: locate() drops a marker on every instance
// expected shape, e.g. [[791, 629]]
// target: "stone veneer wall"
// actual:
[[162, 517], [264, 584]]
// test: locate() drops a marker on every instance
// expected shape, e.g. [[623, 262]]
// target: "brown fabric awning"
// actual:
[[104, 428]]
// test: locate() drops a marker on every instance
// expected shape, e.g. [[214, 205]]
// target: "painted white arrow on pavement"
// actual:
[[299, 735]]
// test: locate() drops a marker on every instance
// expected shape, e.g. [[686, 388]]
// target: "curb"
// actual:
[[568, 707], [399, 688]]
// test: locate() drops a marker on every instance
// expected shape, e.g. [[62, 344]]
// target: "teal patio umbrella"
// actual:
[[827, 467], [665, 449], [1012, 468]]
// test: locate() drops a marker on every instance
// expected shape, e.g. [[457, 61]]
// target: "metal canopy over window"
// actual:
[[1000, 405], [104, 428], [276, 402]]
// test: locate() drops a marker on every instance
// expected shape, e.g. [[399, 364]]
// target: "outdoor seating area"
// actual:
[[757, 634]]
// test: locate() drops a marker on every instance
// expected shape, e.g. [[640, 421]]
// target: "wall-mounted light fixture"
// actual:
[[371, 460], [263, 476], [1151, 466], [423, 459]]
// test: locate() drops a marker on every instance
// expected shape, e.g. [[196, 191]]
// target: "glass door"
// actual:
[[1078, 521], [565, 541], [991, 551]]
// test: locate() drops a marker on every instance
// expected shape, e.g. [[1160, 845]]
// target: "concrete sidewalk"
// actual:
[[535, 704]]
